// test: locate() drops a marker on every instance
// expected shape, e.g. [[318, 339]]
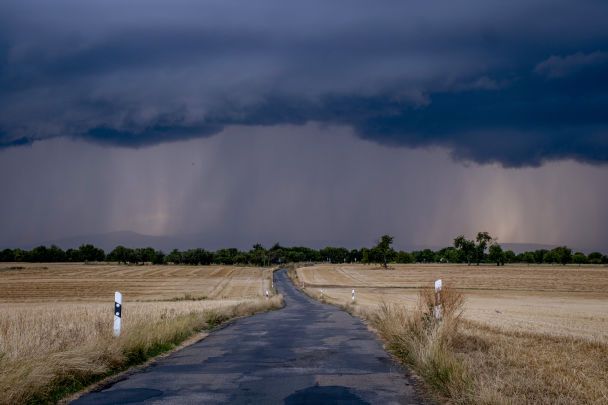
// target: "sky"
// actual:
[[321, 122]]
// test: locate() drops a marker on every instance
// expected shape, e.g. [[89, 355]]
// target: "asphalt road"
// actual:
[[305, 353]]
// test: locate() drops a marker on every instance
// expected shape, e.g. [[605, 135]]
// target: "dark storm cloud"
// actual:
[[513, 82], [558, 66]]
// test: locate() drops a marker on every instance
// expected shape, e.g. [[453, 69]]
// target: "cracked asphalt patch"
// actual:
[[305, 353]]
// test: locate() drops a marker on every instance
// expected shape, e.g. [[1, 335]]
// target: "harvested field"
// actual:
[[556, 300], [97, 282], [56, 319], [530, 334]]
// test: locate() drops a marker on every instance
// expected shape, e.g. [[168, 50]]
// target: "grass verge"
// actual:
[[426, 343], [42, 362], [465, 362]]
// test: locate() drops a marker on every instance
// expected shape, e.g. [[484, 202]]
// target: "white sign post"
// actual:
[[117, 313], [353, 295], [437, 309]]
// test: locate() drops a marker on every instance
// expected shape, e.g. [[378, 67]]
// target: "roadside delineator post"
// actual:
[[437, 309], [353, 298], [117, 313], [266, 294]]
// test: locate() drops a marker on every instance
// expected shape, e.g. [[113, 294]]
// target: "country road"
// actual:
[[305, 353]]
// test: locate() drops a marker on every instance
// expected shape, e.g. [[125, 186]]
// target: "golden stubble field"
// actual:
[[528, 334], [559, 300], [77, 282], [56, 319]]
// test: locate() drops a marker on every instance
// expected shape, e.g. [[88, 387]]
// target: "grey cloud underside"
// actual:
[[492, 81]]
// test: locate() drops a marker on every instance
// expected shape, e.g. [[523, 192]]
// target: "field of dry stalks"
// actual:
[[527, 334], [73, 282], [56, 319]]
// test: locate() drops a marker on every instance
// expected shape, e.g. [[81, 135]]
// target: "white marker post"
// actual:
[[353, 295], [117, 313], [266, 294], [437, 309]]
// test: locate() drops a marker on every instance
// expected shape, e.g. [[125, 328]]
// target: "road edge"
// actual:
[[115, 378], [420, 386]]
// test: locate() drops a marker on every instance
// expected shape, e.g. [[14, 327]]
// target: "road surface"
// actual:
[[305, 353]]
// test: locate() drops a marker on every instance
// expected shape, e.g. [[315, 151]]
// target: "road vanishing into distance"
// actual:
[[305, 353]]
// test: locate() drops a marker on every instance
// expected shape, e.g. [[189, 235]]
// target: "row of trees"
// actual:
[[482, 249], [475, 251], [40, 254]]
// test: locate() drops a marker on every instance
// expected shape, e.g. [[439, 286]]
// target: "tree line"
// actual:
[[482, 249]]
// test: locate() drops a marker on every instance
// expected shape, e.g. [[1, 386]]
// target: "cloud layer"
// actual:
[[493, 81], [296, 185]]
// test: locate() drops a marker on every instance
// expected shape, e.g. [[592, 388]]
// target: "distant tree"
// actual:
[[425, 256], [563, 255], [528, 257], [8, 255], [90, 253], [448, 255], [38, 254], [539, 256], [276, 254], [354, 256], [258, 255], [72, 255], [197, 257], [579, 258], [465, 247], [56, 254], [595, 258], [159, 257], [121, 254], [21, 255], [549, 257], [242, 258], [510, 257], [365, 255], [496, 254], [144, 255], [296, 254], [384, 249], [334, 254], [174, 257], [404, 257], [483, 240]]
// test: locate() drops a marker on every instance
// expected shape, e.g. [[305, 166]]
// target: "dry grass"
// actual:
[[512, 345], [532, 368], [427, 344], [50, 347]]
